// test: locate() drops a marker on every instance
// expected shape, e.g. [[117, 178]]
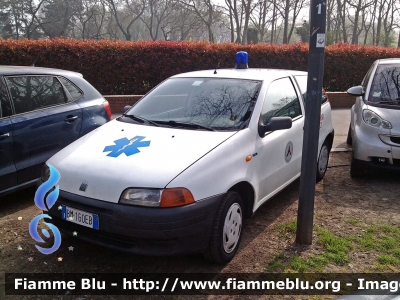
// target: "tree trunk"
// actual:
[[286, 23], [273, 22], [398, 42]]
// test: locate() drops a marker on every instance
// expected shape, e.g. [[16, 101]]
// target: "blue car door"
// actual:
[[45, 121], [8, 173]]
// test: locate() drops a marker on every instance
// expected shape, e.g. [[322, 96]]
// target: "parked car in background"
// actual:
[[180, 170], [374, 130], [41, 111]]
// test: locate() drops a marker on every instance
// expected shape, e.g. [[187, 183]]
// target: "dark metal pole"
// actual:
[[305, 215]]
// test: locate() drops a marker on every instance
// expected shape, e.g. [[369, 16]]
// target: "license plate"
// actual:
[[80, 217]]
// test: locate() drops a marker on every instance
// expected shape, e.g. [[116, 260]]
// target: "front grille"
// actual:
[[395, 139], [396, 162]]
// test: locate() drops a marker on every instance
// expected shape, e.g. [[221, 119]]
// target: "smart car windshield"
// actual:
[[199, 103], [385, 88]]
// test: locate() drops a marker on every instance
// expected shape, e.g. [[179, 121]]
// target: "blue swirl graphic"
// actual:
[[35, 235], [40, 202], [47, 186]]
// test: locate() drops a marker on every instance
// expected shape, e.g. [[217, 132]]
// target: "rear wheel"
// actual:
[[322, 164], [349, 139], [227, 230]]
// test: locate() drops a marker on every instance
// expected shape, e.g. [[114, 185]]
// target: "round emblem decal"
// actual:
[[288, 152]]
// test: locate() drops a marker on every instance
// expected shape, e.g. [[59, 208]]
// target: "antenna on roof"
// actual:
[[215, 71], [37, 57], [34, 62]]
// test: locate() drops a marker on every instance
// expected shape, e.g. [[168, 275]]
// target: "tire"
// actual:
[[355, 170], [227, 230], [322, 163], [349, 139]]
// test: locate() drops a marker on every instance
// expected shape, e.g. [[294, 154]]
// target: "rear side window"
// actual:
[[281, 101], [302, 81], [5, 104], [29, 93], [71, 88]]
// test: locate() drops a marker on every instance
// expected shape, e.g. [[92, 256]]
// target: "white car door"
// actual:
[[279, 151]]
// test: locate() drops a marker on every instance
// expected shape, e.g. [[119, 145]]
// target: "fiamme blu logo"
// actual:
[[52, 191]]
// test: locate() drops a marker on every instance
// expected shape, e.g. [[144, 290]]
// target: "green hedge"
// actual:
[[116, 67]]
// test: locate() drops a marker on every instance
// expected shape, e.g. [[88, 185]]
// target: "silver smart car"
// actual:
[[374, 130]]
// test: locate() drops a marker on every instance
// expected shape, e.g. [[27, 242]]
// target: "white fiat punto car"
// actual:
[[180, 170], [374, 130]]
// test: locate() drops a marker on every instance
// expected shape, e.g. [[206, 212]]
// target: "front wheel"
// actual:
[[349, 139], [322, 164], [227, 230], [356, 170]]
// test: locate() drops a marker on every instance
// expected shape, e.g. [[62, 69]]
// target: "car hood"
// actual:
[[119, 155]]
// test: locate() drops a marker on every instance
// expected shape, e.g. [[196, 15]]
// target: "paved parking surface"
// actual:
[[341, 121]]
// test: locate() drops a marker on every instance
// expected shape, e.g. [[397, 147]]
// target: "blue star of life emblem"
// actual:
[[129, 147]]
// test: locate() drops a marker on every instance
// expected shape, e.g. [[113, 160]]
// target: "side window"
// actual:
[[29, 93], [302, 81], [71, 88], [365, 81], [5, 104], [281, 101]]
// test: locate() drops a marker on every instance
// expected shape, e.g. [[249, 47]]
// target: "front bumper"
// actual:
[[374, 166], [142, 230], [367, 144]]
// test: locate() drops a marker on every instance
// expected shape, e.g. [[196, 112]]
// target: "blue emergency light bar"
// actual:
[[242, 60]]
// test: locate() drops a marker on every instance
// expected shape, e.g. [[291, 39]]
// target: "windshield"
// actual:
[[213, 103], [386, 85]]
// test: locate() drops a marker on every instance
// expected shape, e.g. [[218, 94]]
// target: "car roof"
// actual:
[[250, 73], [27, 70], [387, 61]]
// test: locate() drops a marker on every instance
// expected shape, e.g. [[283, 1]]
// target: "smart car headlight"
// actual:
[[373, 119], [157, 197]]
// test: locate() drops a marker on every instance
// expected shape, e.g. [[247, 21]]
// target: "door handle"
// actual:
[[3, 136], [70, 119]]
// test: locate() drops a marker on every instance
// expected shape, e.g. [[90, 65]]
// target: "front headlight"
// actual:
[[45, 175], [157, 197], [373, 119], [142, 197]]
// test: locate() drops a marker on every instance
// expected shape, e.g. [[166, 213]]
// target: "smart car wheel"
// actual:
[[355, 169], [349, 139], [227, 229], [322, 164]]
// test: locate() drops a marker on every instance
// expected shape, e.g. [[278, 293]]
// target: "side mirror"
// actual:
[[276, 123], [356, 91], [126, 108]]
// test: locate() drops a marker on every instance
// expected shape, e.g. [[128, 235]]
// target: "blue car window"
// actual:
[[29, 93], [71, 88], [5, 104]]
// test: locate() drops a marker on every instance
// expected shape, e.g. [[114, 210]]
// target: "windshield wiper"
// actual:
[[183, 124], [141, 119], [395, 102]]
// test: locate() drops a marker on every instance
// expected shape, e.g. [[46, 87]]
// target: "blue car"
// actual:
[[41, 111]]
